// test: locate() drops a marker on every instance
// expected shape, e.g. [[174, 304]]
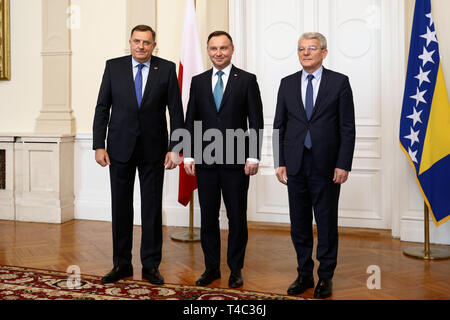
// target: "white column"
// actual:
[[44, 170], [56, 115]]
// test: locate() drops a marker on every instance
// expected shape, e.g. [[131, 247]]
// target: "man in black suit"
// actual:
[[132, 102], [315, 125], [223, 99]]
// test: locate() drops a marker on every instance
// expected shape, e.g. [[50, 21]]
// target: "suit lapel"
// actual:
[[208, 86], [298, 88], [232, 77], [322, 90], [152, 77], [129, 80]]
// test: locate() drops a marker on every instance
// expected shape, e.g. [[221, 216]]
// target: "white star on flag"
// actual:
[[426, 56], [415, 116], [430, 36], [429, 16], [419, 97], [422, 76], [413, 136], [412, 155]]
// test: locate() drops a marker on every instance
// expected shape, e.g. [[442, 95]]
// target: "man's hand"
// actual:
[[189, 167], [102, 158], [172, 160], [251, 168], [340, 176], [282, 175]]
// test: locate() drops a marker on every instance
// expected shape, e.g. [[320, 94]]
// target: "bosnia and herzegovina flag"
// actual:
[[425, 119]]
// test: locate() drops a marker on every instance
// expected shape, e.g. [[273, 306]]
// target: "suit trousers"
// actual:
[[308, 190], [151, 177], [233, 184]]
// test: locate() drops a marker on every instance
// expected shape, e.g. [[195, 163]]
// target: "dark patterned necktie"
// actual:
[[309, 104]]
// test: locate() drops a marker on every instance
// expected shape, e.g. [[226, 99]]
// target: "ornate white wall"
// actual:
[[365, 41]]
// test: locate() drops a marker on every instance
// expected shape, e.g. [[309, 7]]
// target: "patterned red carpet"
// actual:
[[18, 283]]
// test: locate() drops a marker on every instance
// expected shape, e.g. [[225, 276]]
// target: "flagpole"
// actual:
[[190, 235], [425, 252]]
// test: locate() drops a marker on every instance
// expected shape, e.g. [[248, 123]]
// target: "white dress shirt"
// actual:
[[226, 74], [315, 83]]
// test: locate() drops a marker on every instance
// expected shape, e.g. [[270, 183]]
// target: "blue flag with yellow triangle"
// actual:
[[425, 119]]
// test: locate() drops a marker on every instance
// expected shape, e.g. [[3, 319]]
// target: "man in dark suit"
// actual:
[[132, 102], [315, 125], [223, 99]]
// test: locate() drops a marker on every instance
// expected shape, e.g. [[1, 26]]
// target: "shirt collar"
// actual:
[[226, 70], [135, 63], [317, 74]]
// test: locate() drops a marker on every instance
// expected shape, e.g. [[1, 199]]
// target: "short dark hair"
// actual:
[[219, 33], [144, 28]]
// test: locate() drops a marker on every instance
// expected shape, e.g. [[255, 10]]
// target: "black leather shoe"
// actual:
[[300, 285], [118, 273], [152, 275], [323, 289], [207, 277], [235, 280]]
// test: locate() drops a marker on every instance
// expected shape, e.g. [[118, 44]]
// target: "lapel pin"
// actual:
[[235, 74], [156, 68]]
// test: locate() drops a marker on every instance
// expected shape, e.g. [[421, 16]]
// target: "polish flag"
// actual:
[[191, 64]]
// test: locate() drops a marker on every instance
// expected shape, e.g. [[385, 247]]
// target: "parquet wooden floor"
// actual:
[[270, 264]]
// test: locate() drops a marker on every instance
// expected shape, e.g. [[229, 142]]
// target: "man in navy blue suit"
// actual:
[[134, 95], [221, 100], [316, 137]]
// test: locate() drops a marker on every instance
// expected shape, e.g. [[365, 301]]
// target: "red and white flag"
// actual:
[[191, 64]]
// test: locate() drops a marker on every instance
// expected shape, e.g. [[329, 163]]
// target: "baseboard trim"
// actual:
[[352, 231]]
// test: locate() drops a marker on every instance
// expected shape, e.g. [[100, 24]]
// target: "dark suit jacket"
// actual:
[[241, 108], [117, 94], [332, 124]]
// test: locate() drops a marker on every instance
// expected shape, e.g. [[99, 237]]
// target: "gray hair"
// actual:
[[317, 36]]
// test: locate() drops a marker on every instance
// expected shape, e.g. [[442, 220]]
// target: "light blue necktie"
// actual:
[[309, 104], [218, 90], [138, 84]]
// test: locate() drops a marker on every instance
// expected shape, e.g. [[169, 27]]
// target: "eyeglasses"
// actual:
[[310, 48]]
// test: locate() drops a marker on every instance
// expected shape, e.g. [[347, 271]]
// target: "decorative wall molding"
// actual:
[[40, 175]]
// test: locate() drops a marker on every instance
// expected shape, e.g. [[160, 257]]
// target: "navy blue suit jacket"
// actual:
[[117, 109], [240, 109], [332, 124]]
